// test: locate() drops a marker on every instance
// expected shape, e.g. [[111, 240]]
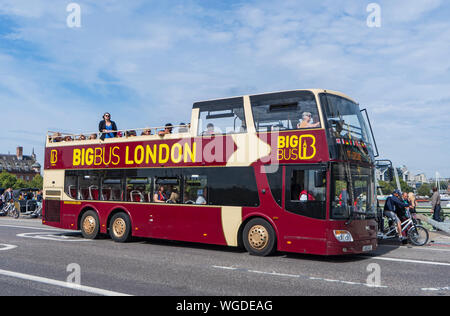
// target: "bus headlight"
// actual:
[[343, 235]]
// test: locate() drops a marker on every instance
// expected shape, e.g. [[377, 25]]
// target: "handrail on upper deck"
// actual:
[[57, 137]]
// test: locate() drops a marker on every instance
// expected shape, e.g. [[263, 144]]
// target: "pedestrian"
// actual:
[[107, 127], [436, 205]]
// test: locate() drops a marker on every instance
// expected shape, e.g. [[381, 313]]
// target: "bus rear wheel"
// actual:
[[90, 225], [120, 228], [259, 238]]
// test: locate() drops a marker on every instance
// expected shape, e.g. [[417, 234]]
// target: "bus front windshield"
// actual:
[[352, 191], [346, 126]]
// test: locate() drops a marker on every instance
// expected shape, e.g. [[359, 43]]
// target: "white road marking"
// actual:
[[298, 276], [53, 237], [410, 261], [67, 285], [37, 228], [6, 247], [447, 288]]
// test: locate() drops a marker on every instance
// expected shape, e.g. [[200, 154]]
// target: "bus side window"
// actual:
[[195, 189]]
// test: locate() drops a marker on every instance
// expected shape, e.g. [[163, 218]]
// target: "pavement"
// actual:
[[39, 260]]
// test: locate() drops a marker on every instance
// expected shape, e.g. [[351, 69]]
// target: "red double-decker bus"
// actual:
[[290, 171]]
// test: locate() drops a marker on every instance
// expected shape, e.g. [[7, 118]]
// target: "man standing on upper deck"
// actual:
[[436, 205]]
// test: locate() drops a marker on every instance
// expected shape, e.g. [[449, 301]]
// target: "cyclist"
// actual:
[[393, 206]]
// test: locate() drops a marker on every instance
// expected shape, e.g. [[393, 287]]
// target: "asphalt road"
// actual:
[[34, 260]]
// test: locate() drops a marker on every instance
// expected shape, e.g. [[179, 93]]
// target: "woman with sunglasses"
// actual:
[[107, 127]]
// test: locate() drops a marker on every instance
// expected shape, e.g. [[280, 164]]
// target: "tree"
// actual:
[[20, 184], [7, 180], [424, 190], [37, 182]]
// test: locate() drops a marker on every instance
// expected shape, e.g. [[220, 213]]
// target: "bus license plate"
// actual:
[[367, 248]]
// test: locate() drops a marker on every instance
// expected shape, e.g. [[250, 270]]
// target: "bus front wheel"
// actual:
[[259, 238], [120, 228], [90, 225]]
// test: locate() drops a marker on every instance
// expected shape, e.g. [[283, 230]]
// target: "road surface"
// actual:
[[38, 260]]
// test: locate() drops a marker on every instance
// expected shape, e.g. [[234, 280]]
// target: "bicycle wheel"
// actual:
[[418, 235]]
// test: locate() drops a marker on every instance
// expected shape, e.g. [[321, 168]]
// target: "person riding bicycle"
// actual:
[[392, 208]]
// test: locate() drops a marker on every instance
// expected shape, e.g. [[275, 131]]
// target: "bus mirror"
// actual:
[[320, 178]]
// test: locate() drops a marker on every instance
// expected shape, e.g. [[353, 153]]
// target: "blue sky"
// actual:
[[147, 61]]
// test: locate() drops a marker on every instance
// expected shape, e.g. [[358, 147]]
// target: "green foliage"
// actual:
[[424, 190], [8, 180], [37, 182]]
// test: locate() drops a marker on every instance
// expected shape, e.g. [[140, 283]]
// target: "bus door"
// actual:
[[305, 200]]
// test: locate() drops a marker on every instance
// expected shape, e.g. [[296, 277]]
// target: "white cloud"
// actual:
[[148, 61]]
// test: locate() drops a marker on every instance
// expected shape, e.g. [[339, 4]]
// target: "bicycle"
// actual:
[[10, 210], [416, 234]]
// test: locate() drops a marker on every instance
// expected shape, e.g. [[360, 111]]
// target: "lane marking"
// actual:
[[436, 289], [428, 248], [6, 247], [52, 237], [299, 276], [67, 285], [409, 261], [37, 228]]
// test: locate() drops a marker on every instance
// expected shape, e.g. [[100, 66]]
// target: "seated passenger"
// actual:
[[56, 138], [93, 136], [146, 132], [307, 121], [167, 130], [160, 195], [82, 137], [209, 130], [130, 133], [201, 199], [183, 128], [68, 138], [306, 196], [174, 197]]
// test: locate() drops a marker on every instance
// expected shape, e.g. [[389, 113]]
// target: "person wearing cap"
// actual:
[[394, 206], [307, 121], [107, 127], [168, 130]]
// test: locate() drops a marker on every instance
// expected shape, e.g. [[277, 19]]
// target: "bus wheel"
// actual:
[[259, 238], [90, 225], [120, 228]]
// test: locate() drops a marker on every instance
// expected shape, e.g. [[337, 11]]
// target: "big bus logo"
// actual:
[[54, 157], [296, 147]]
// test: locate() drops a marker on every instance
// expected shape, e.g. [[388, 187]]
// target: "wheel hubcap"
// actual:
[[258, 237], [119, 227], [89, 224]]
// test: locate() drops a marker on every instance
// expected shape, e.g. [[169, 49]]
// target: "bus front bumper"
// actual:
[[355, 247]]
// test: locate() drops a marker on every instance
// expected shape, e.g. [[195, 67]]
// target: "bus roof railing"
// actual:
[[56, 137]]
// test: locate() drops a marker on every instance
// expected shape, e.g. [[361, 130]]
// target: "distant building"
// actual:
[[420, 178], [23, 167]]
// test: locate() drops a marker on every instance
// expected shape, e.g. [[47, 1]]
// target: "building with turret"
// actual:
[[22, 166]]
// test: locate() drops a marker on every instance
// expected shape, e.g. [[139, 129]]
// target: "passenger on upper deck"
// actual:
[[107, 127], [146, 132], [167, 130], [307, 121], [82, 137], [131, 133], [56, 138], [93, 137], [209, 130], [183, 128]]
